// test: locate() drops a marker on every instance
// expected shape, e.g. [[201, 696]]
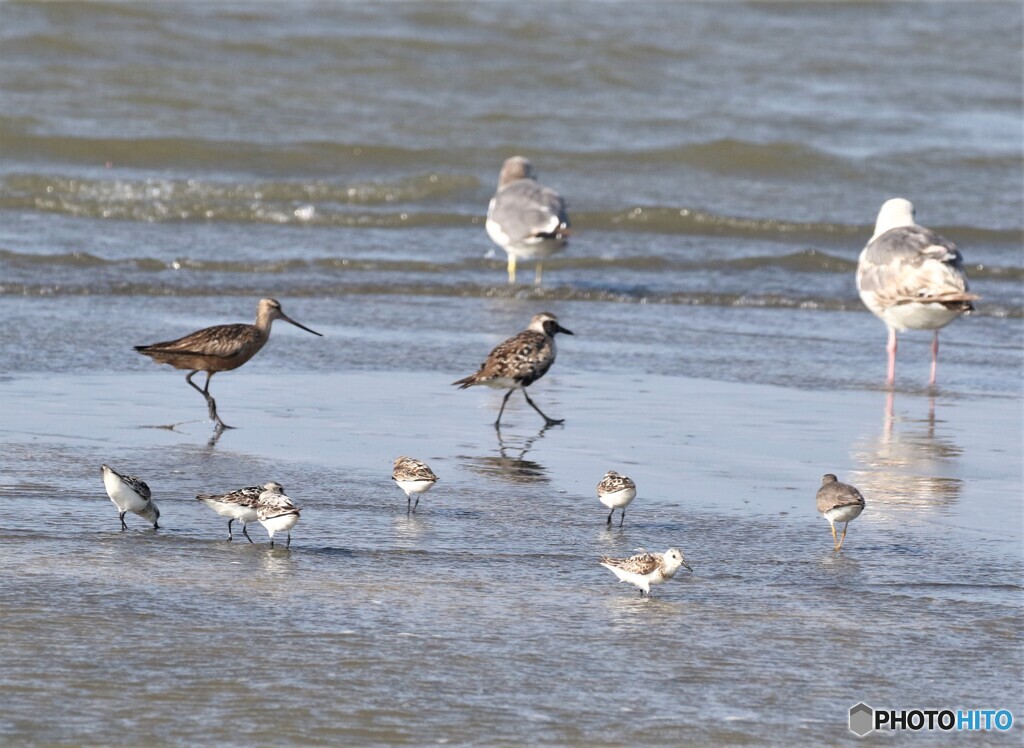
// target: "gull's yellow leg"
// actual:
[[540, 270], [511, 268]]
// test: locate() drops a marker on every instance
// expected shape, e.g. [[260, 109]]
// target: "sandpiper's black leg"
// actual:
[[244, 532], [289, 543], [123, 525], [497, 424], [622, 517], [610, 517], [271, 541], [548, 421], [416, 505], [230, 536]]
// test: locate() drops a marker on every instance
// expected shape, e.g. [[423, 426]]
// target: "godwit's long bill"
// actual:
[[219, 348], [911, 278], [525, 218]]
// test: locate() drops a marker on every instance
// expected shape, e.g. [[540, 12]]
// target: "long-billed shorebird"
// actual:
[[130, 494], [646, 569], [525, 218], [277, 513], [238, 505], [219, 348], [838, 502], [616, 492], [519, 362], [413, 477], [911, 278]]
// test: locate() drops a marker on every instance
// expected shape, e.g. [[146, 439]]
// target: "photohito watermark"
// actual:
[[864, 719]]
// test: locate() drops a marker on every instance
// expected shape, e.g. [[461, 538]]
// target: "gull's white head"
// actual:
[[894, 214], [673, 560]]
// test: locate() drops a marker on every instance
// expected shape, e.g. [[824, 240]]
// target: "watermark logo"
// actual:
[[864, 719]]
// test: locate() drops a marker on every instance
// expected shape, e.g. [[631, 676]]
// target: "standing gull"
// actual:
[[520, 361], [240, 504], [277, 513], [413, 477], [838, 502], [219, 348], [130, 494], [646, 569], [911, 278], [525, 218], [616, 492]]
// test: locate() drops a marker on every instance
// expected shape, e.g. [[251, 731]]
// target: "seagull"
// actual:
[[911, 278], [646, 569], [519, 362], [525, 218], [616, 492], [413, 477], [130, 494], [219, 348], [839, 502], [276, 512], [240, 504]]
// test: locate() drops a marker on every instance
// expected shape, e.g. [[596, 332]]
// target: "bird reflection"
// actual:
[[510, 464], [909, 464]]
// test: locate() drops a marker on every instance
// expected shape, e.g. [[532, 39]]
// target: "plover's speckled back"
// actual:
[[616, 492], [219, 348], [911, 278], [520, 361], [646, 569], [240, 504], [414, 477], [130, 494], [277, 513], [838, 502], [526, 219]]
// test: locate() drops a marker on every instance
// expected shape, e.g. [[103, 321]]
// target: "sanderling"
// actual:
[[520, 361], [839, 502], [130, 494], [616, 492], [413, 477], [646, 569], [526, 219], [219, 348], [276, 512], [911, 278], [240, 504]]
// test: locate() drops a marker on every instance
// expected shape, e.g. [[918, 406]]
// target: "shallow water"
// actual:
[[165, 165]]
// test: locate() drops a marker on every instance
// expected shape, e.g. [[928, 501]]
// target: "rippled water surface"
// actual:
[[165, 165]]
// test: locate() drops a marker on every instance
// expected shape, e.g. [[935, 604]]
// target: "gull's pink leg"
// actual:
[[891, 348], [935, 358]]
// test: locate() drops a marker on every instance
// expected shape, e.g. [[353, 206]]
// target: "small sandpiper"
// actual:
[[413, 477], [277, 513], [240, 504], [130, 494], [616, 492], [646, 569], [519, 362], [839, 502], [525, 218]]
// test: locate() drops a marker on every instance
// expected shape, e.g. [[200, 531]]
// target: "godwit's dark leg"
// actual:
[[504, 400], [245, 532], [230, 536], [548, 421], [123, 525], [891, 348], [935, 358]]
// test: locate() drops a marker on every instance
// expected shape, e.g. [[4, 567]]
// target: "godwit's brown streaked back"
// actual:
[[911, 278], [219, 348]]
